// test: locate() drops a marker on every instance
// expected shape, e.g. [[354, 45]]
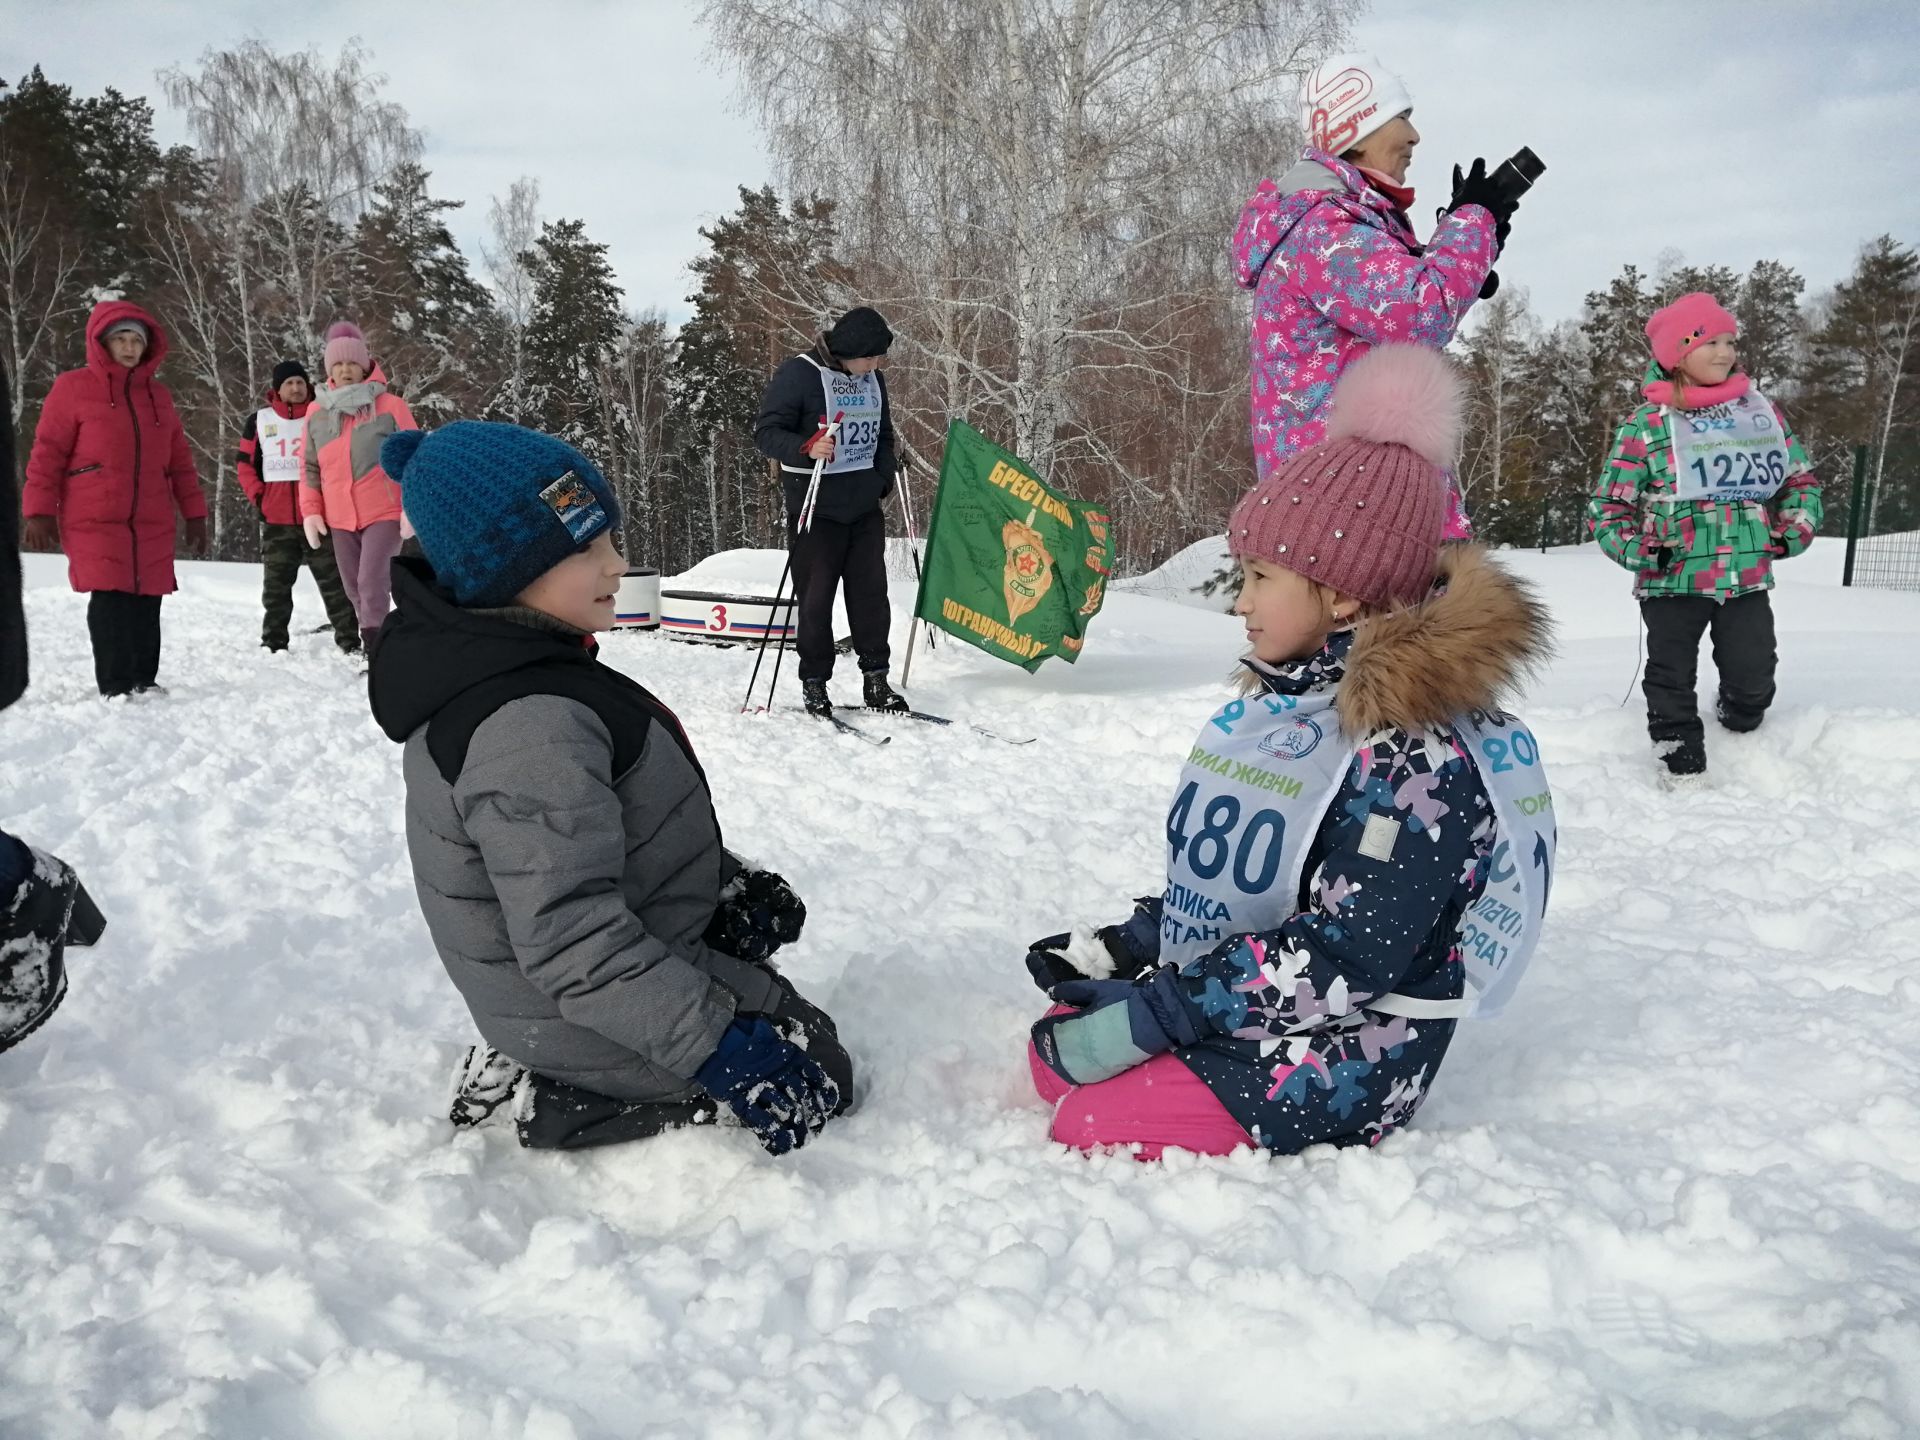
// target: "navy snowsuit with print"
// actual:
[[1286, 1043]]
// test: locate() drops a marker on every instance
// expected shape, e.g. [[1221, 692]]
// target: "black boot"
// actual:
[[876, 694], [34, 922], [813, 694], [484, 1082], [1684, 762]]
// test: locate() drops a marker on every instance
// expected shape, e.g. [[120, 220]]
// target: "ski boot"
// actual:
[[813, 694], [877, 694], [484, 1082]]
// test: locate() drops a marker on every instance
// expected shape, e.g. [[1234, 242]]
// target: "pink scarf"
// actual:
[[1698, 397], [1400, 195]]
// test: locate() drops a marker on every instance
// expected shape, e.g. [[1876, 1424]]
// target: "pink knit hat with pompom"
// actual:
[[345, 342], [1364, 511]]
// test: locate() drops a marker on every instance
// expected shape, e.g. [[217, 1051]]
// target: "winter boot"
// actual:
[[34, 924], [1683, 763], [484, 1082], [876, 694], [813, 694]]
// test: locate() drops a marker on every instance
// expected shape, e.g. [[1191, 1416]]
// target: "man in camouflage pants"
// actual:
[[270, 447]]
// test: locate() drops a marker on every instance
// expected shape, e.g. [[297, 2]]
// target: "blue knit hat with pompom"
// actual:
[[496, 506]]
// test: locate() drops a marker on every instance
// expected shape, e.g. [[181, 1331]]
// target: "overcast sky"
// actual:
[[1728, 131]]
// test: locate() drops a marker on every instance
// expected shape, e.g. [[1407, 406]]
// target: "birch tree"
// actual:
[[513, 225], [1018, 163], [298, 146]]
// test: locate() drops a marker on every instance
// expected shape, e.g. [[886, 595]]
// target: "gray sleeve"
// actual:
[[536, 797]]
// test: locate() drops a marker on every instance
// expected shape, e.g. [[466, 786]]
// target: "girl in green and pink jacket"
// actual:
[[1705, 490]]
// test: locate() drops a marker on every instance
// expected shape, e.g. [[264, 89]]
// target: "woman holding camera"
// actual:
[[1334, 263]]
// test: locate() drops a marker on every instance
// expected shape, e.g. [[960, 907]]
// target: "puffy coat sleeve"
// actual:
[[312, 498], [53, 441], [1798, 509], [1614, 512], [182, 474], [792, 400], [1366, 281], [1369, 920], [536, 797], [247, 460], [402, 415], [884, 462]]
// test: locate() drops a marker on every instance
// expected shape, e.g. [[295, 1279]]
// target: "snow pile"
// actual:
[[1179, 579], [756, 572], [1671, 1193]]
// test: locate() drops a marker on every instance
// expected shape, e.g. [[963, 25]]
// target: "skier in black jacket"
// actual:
[[846, 540]]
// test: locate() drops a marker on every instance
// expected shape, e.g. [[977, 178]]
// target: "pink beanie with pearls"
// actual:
[[1685, 323], [1364, 511], [345, 342]]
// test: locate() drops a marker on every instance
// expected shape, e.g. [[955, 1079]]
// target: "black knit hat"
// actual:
[[286, 370], [858, 334]]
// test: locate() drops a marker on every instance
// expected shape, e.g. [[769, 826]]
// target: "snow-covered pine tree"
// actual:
[[440, 338], [574, 326]]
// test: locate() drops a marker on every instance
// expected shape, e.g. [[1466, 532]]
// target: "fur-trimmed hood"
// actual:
[[1468, 646]]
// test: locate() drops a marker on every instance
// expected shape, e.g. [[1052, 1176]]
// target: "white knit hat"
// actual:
[[1345, 98]]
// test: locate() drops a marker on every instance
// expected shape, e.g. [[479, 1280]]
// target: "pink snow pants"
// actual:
[[1151, 1106]]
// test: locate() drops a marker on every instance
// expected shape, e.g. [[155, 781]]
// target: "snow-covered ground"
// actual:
[[1673, 1193]]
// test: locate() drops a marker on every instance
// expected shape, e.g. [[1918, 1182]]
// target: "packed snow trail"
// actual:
[[1672, 1193]]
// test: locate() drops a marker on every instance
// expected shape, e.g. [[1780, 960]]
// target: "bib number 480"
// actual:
[[1256, 856]]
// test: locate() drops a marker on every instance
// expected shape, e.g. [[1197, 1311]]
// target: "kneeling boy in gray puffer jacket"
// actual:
[[568, 860]]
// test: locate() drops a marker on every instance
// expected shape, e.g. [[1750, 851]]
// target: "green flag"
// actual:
[[1013, 566]]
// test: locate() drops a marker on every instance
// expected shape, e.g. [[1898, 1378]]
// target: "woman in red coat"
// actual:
[[110, 465]]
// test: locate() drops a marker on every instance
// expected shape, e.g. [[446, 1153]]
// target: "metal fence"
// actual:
[[1883, 521]]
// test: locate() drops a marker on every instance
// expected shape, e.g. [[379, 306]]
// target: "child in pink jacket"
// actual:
[[345, 492]]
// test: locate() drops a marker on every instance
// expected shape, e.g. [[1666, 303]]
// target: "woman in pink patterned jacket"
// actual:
[[1331, 256]]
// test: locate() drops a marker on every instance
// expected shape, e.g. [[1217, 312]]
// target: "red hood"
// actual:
[[109, 313], [282, 408]]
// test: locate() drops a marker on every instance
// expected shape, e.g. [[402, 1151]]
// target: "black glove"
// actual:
[[1132, 950], [1490, 286], [758, 914], [1476, 187], [778, 1092]]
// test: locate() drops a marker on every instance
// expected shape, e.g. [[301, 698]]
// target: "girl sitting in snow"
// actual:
[[1359, 848], [1705, 489]]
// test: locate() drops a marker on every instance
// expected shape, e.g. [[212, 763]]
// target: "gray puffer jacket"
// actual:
[[564, 846]]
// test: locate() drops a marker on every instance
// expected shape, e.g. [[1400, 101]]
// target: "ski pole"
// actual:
[[806, 516], [913, 549], [913, 542], [819, 467], [761, 653]]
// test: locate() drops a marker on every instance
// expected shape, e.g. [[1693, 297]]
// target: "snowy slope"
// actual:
[[1673, 1193]]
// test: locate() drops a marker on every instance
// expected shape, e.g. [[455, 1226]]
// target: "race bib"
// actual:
[[1731, 452], [1259, 780], [857, 401], [280, 443]]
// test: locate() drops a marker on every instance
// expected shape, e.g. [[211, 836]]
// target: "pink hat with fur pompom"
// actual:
[[1365, 510]]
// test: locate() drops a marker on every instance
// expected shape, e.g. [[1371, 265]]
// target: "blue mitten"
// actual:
[[778, 1092], [1116, 1026]]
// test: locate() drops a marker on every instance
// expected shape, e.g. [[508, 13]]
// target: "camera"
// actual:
[[1516, 176]]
